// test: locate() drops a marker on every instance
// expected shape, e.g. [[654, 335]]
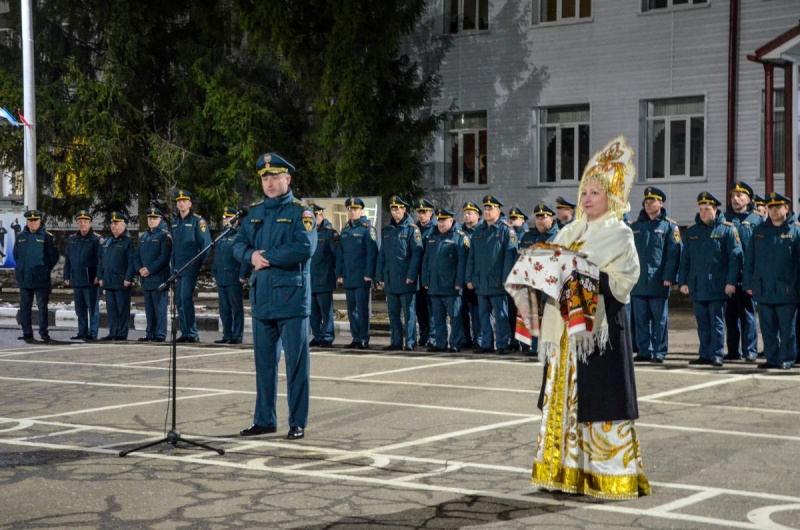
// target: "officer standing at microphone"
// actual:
[[278, 239]]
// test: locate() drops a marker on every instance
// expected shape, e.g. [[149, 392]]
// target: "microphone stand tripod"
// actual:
[[174, 435]]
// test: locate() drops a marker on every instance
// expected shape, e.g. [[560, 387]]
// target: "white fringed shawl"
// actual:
[[608, 243]]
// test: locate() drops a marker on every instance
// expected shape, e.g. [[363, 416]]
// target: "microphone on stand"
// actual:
[[239, 215]]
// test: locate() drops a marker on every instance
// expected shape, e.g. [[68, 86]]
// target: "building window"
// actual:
[[675, 141], [563, 140], [650, 5], [466, 15], [468, 160], [560, 10], [778, 134]]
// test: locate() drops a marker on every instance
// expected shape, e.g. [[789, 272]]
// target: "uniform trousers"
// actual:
[[94, 321], [26, 308], [118, 307], [470, 319], [402, 325], [155, 310], [778, 332], [424, 316], [358, 313], [85, 307], [231, 311], [651, 318], [184, 299], [322, 317], [269, 336], [444, 307], [710, 317], [740, 323], [496, 305]]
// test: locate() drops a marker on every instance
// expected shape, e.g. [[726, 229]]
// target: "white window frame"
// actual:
[[668, 120], [673, 4], [461, 125], [448, 16], [541, 127], [538, 5]]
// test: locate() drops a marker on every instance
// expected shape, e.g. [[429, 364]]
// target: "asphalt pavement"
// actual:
[[395, 440]]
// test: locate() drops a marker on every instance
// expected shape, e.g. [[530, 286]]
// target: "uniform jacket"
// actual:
[[154, 251], [711, 259], [357, 255], [323, 262], [772, 263], [658, 244], [493, 252], [189, 236], [533, 236], [284, 230], [445, 263], [226, 269], [744, 223], [115, 265], [36, 255], [400, 257], [80, 259]]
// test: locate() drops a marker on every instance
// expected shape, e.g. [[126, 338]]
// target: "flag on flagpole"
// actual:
[[7, 115], [22, 118]]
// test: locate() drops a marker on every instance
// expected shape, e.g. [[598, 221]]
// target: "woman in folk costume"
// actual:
[[587, 442]]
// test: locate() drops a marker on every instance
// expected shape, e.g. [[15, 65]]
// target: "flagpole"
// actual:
[[29, 97]]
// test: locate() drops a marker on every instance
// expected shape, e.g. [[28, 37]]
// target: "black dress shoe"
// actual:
[[751, 359], [717, 363], [76, 337], [121, 339], [485, 350], [107, 338], [89, 339], [436, 349], [234, 341], [326, 344], [641, 359], [158, 339], [354, 345], [25, 337], [295, 433], [363, 346], [222, 341], [454, 350], [786, 366], [501, 351], [730, 357], [45, 338], [192, 339], [315, 342], [656, 360], [767, 366], [408, 348], [701, 361], [392, 347], [182, 339], [255, 430], [144, 339]]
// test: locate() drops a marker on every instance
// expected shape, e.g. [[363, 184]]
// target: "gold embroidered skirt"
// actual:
[[601, 459]]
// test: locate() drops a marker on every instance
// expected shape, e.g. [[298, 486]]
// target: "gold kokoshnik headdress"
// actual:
[[613, 168]]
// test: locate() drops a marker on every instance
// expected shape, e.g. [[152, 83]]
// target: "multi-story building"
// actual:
[[531, 88]]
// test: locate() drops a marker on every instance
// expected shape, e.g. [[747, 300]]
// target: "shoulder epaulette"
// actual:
[[366, 224], [726, 223], [198, 216], [673, 221], [257, 203], [691, 225], [299, 204], [460, 232], [49, 233]]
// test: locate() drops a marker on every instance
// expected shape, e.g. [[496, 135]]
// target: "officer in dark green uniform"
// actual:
[[80, 272], [230, 275], [115, 271], [151, 261], [36, 255], [278, 239], [189, 236]]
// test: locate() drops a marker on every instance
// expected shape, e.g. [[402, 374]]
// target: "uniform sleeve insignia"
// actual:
[[512, 236], [736, 236], [202, 225], [676, 234], [417, 236], [308, 220], [373, 234], [726, 223], [466, 241]]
